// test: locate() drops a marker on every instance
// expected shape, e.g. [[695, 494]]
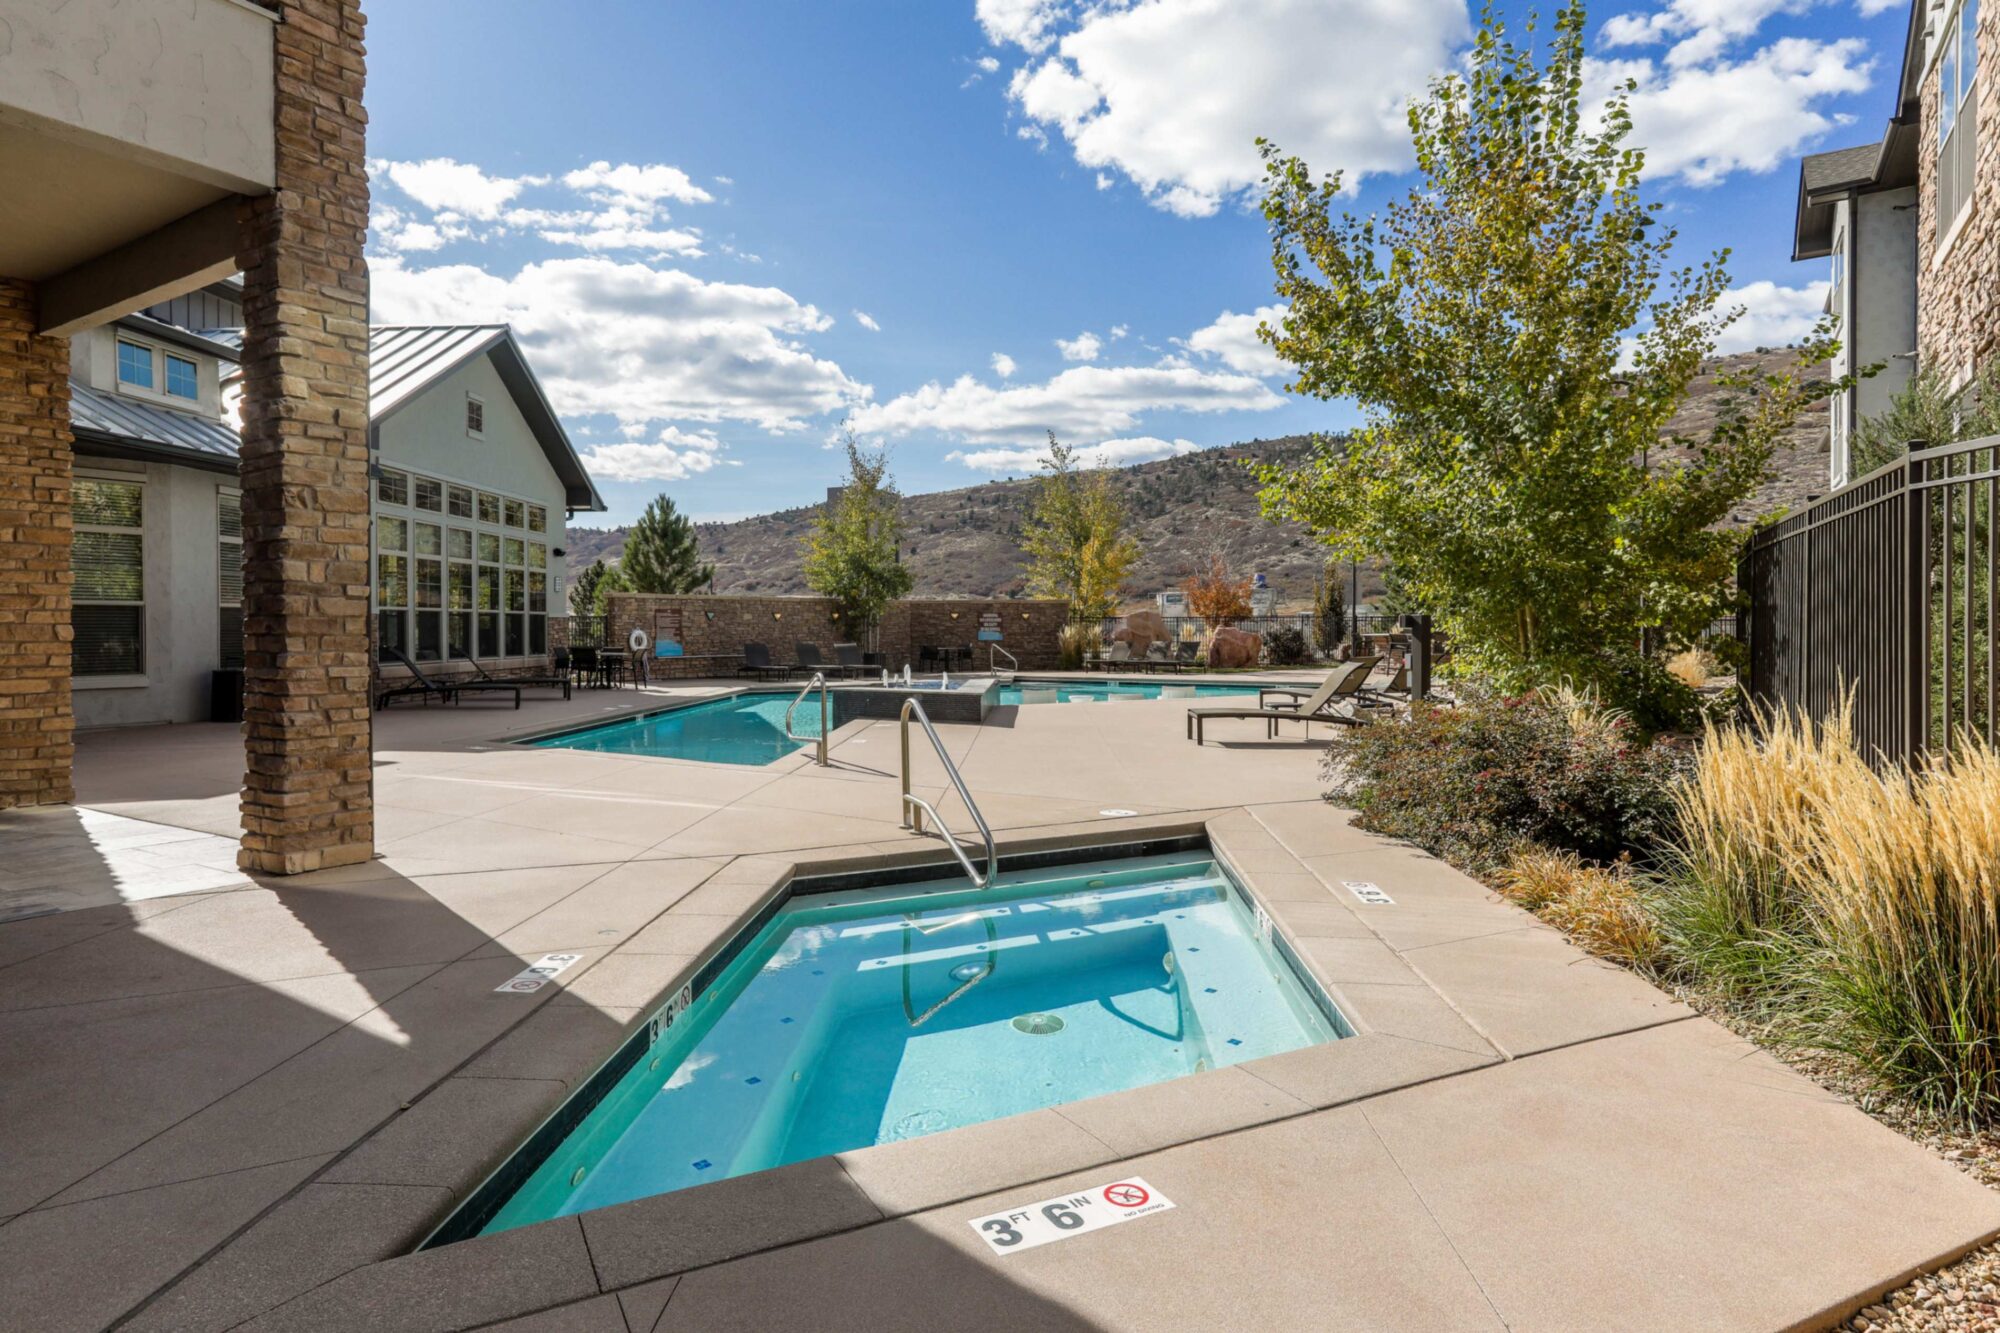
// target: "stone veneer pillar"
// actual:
[[308, 788], [36, 726]]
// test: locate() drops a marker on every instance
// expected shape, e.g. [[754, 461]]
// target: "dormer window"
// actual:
[[475, 416], [183, 380], [135, 364]]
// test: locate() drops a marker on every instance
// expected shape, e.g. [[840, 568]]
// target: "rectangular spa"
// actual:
[[865, 1016]]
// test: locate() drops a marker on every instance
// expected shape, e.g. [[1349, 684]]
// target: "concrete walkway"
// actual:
[[235, 1104]]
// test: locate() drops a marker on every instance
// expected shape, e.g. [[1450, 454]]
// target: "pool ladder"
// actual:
[[916, 807], [994, 653], [818, 682]]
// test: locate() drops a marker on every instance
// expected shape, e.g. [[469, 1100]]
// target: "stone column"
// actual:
[[35, 721], [308, 788]]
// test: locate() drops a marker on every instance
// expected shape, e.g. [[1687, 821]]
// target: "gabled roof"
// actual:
[[403, 360], [126, 427], [1825, 178]]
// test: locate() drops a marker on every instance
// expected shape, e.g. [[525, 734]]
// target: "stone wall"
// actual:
[[307, 792], [718, 627], [1958, 299], [35, 720]]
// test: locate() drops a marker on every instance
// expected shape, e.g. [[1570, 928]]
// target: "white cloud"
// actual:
[[673, 455], [1702, 122], [613, 237], [1773, 316], [1091, 402], [988, 65], [1084, 347], [630, 185], [1104, 182], [867, 321], [1111, 453], [1870, 8], [1232, 339], [1025, 23], [440, 183], [1003, 365], [1173, 93], [638, 343], [1119, 331]]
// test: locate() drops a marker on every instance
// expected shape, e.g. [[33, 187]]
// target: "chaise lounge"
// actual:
[[1279, 704], [559, 680], [446, 691]]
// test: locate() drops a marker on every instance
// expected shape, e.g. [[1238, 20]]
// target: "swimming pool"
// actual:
[[1070, 691], [739, 729], [869, 1016]]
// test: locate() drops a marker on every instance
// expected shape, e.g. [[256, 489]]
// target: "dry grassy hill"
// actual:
[[968, 541]]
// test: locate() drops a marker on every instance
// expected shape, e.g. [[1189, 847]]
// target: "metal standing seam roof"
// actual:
[[402, 361], [117, 418]]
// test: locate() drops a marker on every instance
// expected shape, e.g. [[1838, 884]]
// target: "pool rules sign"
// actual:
[[1031, 1224]]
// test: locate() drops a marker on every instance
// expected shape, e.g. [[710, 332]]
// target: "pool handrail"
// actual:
[[818, 680], [994, 650], [916, 807]]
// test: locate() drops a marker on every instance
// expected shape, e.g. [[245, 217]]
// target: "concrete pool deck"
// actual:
[[232, 1104]]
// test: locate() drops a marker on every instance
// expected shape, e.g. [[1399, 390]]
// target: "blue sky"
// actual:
[[723, 228]]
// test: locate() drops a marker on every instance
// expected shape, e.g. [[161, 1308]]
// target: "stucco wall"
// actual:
[[186, 84], [1885, 292]]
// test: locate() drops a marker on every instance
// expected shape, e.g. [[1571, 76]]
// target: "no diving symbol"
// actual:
[[1125, 1195]]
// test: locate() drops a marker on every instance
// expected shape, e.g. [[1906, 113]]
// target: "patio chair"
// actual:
[[757, 662], [453, 690], [1159, 657], [418, 686], [584, 663], [1274, 706], [555, 680], [848, 657], [1119, 652], [1188, 653], [811, 660]]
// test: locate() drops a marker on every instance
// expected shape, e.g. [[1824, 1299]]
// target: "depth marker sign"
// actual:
[[1033, 1224], [545, 969], [1369, 893]]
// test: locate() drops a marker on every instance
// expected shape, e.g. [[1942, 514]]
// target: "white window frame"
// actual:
[[223, 545], [157, 391], [474, 402], [524, 626], [123, 680], [1947, 152]]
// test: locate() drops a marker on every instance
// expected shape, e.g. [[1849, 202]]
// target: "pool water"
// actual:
[[1070, 691], [857, 1018], [741, 729]]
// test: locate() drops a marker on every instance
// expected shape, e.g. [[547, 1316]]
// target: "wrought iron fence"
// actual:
[[1886, 590], [1193, 627]]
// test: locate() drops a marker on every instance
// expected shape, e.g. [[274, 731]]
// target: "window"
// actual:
[[182, 381], [489, 508], [514, 547], [475, 416], [454, 585], [538, 519], [458, 502], [427, 495], [135, 364], [1839, 264], [393, 488], [107, 561], [229, 578], [1958, 120], [515, 515], [489, 548]]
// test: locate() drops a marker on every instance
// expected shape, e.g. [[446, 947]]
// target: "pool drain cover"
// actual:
[[1038, 1025]]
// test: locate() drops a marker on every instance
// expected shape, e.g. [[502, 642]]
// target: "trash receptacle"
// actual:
[[225, 695]]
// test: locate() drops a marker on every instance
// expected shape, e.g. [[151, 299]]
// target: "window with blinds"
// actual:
[[108, 565], [229, 577], [1957, 114]]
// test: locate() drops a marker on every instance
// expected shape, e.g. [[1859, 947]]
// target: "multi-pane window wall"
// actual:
[[458, 572]]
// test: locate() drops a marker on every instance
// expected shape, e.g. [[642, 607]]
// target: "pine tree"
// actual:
[[661, 554]]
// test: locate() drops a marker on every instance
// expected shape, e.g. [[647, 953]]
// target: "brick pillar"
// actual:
[[307, 791], [35, 721]]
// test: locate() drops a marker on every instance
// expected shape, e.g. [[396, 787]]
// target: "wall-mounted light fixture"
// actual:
[[777, 615], [709, 614], [954, 615]]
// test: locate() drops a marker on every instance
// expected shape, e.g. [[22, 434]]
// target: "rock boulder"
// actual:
[[1229, 647]]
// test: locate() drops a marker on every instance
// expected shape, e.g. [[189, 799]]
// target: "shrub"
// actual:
[[1601, 909], [1904, 885], [1476, 782], [1692, 667], [1286, 646], [1076, 641]]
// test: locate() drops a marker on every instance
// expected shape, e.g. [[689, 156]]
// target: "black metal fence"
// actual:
[[1193, 627], [1885, 590]]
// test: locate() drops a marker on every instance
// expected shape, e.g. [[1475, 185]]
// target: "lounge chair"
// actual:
[[1119, 652], [418, 686], [555, 680], [810, 660], [454, 689], [848, 658], [1189, 653], [1275, 706], [1159, 657], [757, 662]]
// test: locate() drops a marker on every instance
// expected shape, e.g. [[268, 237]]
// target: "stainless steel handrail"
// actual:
[[819, 680], [916, 807], [995, 650]]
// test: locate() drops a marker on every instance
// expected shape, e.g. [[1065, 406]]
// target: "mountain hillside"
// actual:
[[968, 541]]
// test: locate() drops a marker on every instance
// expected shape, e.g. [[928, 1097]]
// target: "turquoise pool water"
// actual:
[[742, 729], [1067, 690], [865, 1017]]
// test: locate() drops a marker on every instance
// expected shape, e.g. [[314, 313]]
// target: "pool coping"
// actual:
[[1405, 1033]]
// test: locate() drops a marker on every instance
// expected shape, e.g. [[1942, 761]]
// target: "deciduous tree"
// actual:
[[851, 554], [1075, 537], [1486, 325], [1216, 595]]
